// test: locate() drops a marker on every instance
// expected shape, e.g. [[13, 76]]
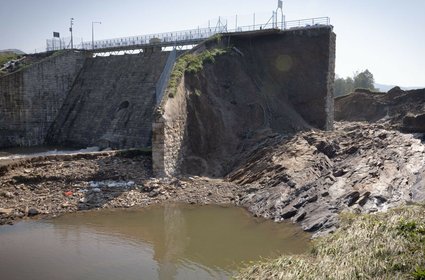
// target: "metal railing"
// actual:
[[165, 76], [307, 23], [192, 36]]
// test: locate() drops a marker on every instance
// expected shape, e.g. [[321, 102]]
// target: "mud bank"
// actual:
[[51, 185]]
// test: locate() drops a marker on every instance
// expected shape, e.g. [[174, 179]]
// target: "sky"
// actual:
[[385, 36]]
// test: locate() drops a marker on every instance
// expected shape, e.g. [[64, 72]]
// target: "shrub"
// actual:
[[191, 63]]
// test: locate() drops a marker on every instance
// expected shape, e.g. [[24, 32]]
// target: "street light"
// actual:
[[92, 33], [70, 30]]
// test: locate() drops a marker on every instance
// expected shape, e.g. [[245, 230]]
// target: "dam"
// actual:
[[247, 86]]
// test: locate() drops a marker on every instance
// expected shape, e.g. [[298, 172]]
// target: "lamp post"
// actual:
[[92, 33], [70, 30]]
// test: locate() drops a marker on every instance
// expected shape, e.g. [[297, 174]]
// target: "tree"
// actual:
[[343, 86], [359, 80], [364, 80]]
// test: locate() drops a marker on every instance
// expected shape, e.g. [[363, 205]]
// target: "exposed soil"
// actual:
[[253, 90], [393, 106]]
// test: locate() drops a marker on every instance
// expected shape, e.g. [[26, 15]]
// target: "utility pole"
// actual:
[[280, 7], [92, 33], [70, 30]]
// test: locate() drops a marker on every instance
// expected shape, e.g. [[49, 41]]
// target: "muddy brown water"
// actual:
[[160, 242]]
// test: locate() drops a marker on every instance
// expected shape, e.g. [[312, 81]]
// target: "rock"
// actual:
[[351, 198], [6, 211], [329, 149], [324, 194], [312, 198], [289, 213], [315, 224], [7, 195], [298, 218], [339, 172], [33, 212], [153, 193], [364, 199], [418, 189], [414, 123], [291, 183], [148, 188]]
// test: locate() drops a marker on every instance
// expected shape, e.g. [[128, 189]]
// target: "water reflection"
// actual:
[[174, 242], [161, 242]]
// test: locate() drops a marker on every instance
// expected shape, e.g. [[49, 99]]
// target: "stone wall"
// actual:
[[267, 82], [31, 98], [111, 103], [169, 129]]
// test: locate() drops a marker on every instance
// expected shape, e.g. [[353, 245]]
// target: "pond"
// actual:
[[160, 242]]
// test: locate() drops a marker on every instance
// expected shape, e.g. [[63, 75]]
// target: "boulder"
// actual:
[[414, 123]]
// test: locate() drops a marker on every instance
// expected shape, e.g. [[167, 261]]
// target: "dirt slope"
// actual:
[[393, 106], [256, 89]]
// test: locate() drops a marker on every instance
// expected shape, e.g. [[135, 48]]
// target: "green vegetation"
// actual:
[[419, 274], [5, 57], [191, 63], [387, 245], [363, 80], [216, 37]]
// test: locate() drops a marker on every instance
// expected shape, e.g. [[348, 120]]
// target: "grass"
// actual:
[[377, 246], [191, 63], [5, 57]]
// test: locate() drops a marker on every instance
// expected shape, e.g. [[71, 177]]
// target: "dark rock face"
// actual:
[[414, 123], [33, 212], [393, 106], [296, 178], [111, 103]]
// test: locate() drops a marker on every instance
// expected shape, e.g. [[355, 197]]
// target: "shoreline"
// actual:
[[48, 186]]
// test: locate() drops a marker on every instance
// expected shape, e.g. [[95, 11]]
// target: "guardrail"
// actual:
[[188, 36], [310, 22]]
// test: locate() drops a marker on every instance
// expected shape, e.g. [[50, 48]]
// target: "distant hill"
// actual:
[[385, 88], [15, 51]]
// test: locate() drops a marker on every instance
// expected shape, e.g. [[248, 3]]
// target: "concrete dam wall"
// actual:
[[111, 103], [225, 97], [73, 99], [31, 98], [262, 83]]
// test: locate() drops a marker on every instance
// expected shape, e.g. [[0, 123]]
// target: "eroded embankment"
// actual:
[[402, 109], [234, 91]]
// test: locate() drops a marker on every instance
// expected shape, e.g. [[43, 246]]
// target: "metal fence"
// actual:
[[187, 36]]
